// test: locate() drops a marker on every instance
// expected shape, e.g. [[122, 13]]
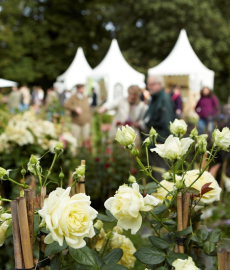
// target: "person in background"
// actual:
[[37, 97], [51, 97], [14, 99], [158, 116], [79, 107], [207, 108], [94, 98], [66, 94], [26, 98], [177, 100], [128, 110]]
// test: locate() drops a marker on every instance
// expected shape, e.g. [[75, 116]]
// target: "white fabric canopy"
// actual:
[[183, 61], [117, 73], [77, 73], [7, 83]]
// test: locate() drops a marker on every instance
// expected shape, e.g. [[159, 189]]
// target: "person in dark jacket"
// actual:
[[94, 98], [207, 108], [158, 116], [177, 100]]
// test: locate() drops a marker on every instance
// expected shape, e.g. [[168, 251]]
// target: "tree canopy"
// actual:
[[39, 38]]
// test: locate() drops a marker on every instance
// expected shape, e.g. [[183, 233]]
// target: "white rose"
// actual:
[[69, 218], [126, 135], [5, 221], [206, 177], [123, 242], [202, 143], [222, 138], [52, 144], [162, 193], [184, 264], [98, 225], [178, 127], [173, 148], [127, 204]]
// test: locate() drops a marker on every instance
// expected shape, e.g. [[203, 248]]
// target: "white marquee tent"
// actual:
[[182, 61], [117, 73], [7, 83], [77, 73]]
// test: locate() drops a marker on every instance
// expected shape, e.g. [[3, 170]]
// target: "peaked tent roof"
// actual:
[[7, 83], [114, 65], [77, 72], [181, 61]]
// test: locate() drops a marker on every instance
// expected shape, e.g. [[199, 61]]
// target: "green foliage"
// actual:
[[113, 256], [54, 248]]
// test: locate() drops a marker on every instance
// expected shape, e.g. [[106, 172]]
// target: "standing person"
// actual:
[[14, 99], [207, 108], [26, 98], [128, 110], [37, 97], [177, 100], [158, 116], [66, 94], [94, 98], [79, 107]]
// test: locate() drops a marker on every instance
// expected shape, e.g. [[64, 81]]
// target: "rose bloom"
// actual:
[[162, 193], [69, 218], [100, 240], [178, 127], [173, 148], [222, 138], [127, 204], [121, 241], [126, 135], [187, 264], [206, 177], [5, 220]]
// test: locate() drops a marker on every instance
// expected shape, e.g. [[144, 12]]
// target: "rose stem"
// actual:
[[179, 218], [29, 195], [77, 186], [70, 183], [25, 233], [16, 236], [82, 179]]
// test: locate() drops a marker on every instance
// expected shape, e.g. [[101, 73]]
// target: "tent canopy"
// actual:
[[117, 73], [77, 73], [183, 61], [7, 83]]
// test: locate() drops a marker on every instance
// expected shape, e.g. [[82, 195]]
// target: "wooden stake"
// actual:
[[43, 195], [16, 236], [82, 185], [221, 259], [25, 233], [29, 195], [179, 218], [186, 199]]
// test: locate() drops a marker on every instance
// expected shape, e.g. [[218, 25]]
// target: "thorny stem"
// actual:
[[159, 221], [50, 169], [106, 244], [19, 184]]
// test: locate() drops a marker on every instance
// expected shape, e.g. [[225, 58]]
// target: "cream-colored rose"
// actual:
[[52, 144], [206, 177], [98, 225], [100, 240], [202, 143], [187, 264], [178, 127], [5, 220], [222, 138], [121, 241], [173, 148], [126, 135], [161, 193], [69, 218], [127, 204]]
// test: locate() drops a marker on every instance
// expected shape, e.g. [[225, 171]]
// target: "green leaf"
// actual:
[[98, 259], [171, 257], [73, 266], [202, 234], [158, 242], [55, 263], [159, 209], [150, 256], [113, 256], [54, 248], [214, 236], [9, 231], [186, 231], [83, 256], [170, 238], [113, 267], [109, 214], [209, 247], [105, 218]]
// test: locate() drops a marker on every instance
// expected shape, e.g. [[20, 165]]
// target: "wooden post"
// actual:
[[25, 233], [223, 254], [82, 179], [186, 200], [43, 195], [179, 218], [29, 195], [16, 236]]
